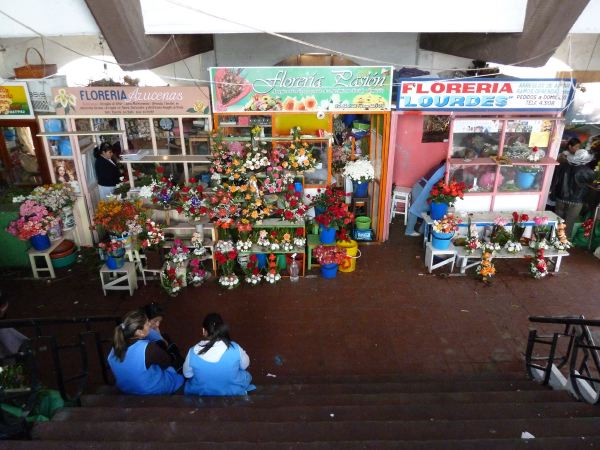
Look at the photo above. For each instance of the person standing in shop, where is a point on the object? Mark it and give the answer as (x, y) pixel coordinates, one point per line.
(107, 172)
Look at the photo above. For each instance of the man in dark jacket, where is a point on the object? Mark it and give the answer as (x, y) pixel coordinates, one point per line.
(572, 179)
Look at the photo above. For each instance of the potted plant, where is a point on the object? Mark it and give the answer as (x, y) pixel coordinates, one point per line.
(443, 230)
(115, 253)
(33, 224)
(360, 171)
(329, 258)
(443, 195)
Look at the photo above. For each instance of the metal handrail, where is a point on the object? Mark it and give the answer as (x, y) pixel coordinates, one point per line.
(37, 324)
(577, 330)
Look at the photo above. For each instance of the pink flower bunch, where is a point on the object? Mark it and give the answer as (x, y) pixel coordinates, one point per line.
(540, 220)
(34, 220)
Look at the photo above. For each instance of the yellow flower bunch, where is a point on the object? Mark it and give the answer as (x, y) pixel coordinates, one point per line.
(486, 269)
(298, 157)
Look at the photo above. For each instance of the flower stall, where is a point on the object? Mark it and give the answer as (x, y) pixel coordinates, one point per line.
(308, 124)
(500, 137)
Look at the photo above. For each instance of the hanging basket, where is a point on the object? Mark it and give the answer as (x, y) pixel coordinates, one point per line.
(35, 70)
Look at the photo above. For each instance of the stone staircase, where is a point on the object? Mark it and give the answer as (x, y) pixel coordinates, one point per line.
(468, 412)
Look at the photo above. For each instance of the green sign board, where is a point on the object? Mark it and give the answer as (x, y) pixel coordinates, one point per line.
(301, 89)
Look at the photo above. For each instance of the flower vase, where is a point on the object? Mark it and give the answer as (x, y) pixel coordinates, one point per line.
(40, 242)
(329, 270)
(360, 189)
(327, 235)
(441, 241)
(438, 210)
(68, 218)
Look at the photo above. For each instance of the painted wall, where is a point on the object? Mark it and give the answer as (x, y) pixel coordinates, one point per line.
(413, 159)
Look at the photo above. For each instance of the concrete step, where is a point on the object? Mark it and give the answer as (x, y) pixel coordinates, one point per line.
(128, 401)
(380, 388)
(329, 431)
(559, 443)
(339, 413)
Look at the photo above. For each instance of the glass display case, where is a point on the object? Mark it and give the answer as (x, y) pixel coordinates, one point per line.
(504, 162)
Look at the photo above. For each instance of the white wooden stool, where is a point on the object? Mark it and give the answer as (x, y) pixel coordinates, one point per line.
(400, 197)
(45, 254)
(449, 257)
(121, 279)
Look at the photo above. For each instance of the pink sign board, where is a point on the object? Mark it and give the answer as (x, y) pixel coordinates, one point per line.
(131, 100)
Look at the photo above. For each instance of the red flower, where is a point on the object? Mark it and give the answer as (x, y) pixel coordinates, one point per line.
(160, 169)
(232, 254)
(192, 180)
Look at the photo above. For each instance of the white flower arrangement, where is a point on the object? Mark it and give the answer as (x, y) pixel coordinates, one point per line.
(361, 170)
(253, 280)
(145, 192)
(287, 246)
(299, 242)
(243, 246)
(273, 246)
(229, 281)
(272, 278)
(19, 198)
(224, 246)
(263, 238)
(513, 247)
(558, 245)
(257, 161)
(537, 245)
(491, 247)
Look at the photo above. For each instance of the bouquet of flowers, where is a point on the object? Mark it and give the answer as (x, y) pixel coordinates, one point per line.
(276, 180)
(179, 253)
(447, 224)
(297, 157)
(273, 241)
(361, 170)
(329, 255)
(486, 268)
(198, 244)
(244, 242)
(253, 276)
(541, 228)
(114, 248)
(272, 276)
(164, 190)
(292, 209)
(538, 267)
(222, 210)
(171, 280)
(587, 227)
(257, 158)
(473, 243)
(491, 247)
(286, 242)
(34, 220)
(190, 200)
(513, 247)
(114, 215)
(225, 255)
(263, 238)
(152, 234)
(54, 197)
(518, 226)
(299, 239)
(446, 193)
(340, 155)
(196, 275)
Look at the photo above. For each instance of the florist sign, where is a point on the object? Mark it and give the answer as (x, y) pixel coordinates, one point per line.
(15, 102)
(301, 89)
(130, 100)
(484, 95)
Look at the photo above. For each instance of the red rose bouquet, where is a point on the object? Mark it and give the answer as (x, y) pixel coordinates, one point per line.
(446, 193)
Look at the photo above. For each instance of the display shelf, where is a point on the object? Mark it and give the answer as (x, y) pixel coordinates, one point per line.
(81, 133)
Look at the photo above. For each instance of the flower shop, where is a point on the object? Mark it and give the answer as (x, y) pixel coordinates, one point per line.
(490, 147)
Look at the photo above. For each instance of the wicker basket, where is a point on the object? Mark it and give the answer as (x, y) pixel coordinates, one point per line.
(35, 70)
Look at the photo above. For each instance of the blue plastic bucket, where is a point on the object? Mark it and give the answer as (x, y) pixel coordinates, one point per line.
(64, 147)
(438, 210)
(326, 235)
(360, 189)
(298, 186)
(261, 260)
(117, 261)
(441, 241)
(525, 179)
(329, 270)
(40, 242)
(319, 210)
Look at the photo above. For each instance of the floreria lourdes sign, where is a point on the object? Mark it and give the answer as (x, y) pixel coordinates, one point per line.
(130, 100)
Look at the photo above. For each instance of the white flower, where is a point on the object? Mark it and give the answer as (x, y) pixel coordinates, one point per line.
(513, 247)
(145, 192)
(359, 170)
(299, 242)
(19, 199)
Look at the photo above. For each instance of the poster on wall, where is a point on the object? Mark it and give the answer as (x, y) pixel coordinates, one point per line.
(132, 100)
(15, 102)
(301, 89)
(484, 94)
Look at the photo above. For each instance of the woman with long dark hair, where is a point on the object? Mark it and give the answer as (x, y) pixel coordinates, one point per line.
(217, 365)
(141, 367)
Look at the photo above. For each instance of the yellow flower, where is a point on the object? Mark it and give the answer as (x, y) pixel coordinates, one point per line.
(286, 237)
(258, 202)
(65, 99)
(254, 214)
(199, 106)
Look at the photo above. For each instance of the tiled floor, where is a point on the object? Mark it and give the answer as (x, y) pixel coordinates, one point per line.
(389, 316)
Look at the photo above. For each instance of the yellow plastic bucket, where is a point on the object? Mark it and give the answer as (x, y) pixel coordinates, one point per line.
(351, 247)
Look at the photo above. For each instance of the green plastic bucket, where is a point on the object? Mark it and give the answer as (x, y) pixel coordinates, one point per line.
(363, 223)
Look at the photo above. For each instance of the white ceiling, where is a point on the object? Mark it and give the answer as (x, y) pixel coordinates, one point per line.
(589, 20)
(48, 17)
(322, 16)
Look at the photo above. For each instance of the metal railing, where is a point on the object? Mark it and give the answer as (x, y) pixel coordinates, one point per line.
(579, 351)
(36, 330)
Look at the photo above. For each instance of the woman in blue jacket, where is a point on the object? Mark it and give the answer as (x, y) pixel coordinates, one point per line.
(141, 367)
(217, 365)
